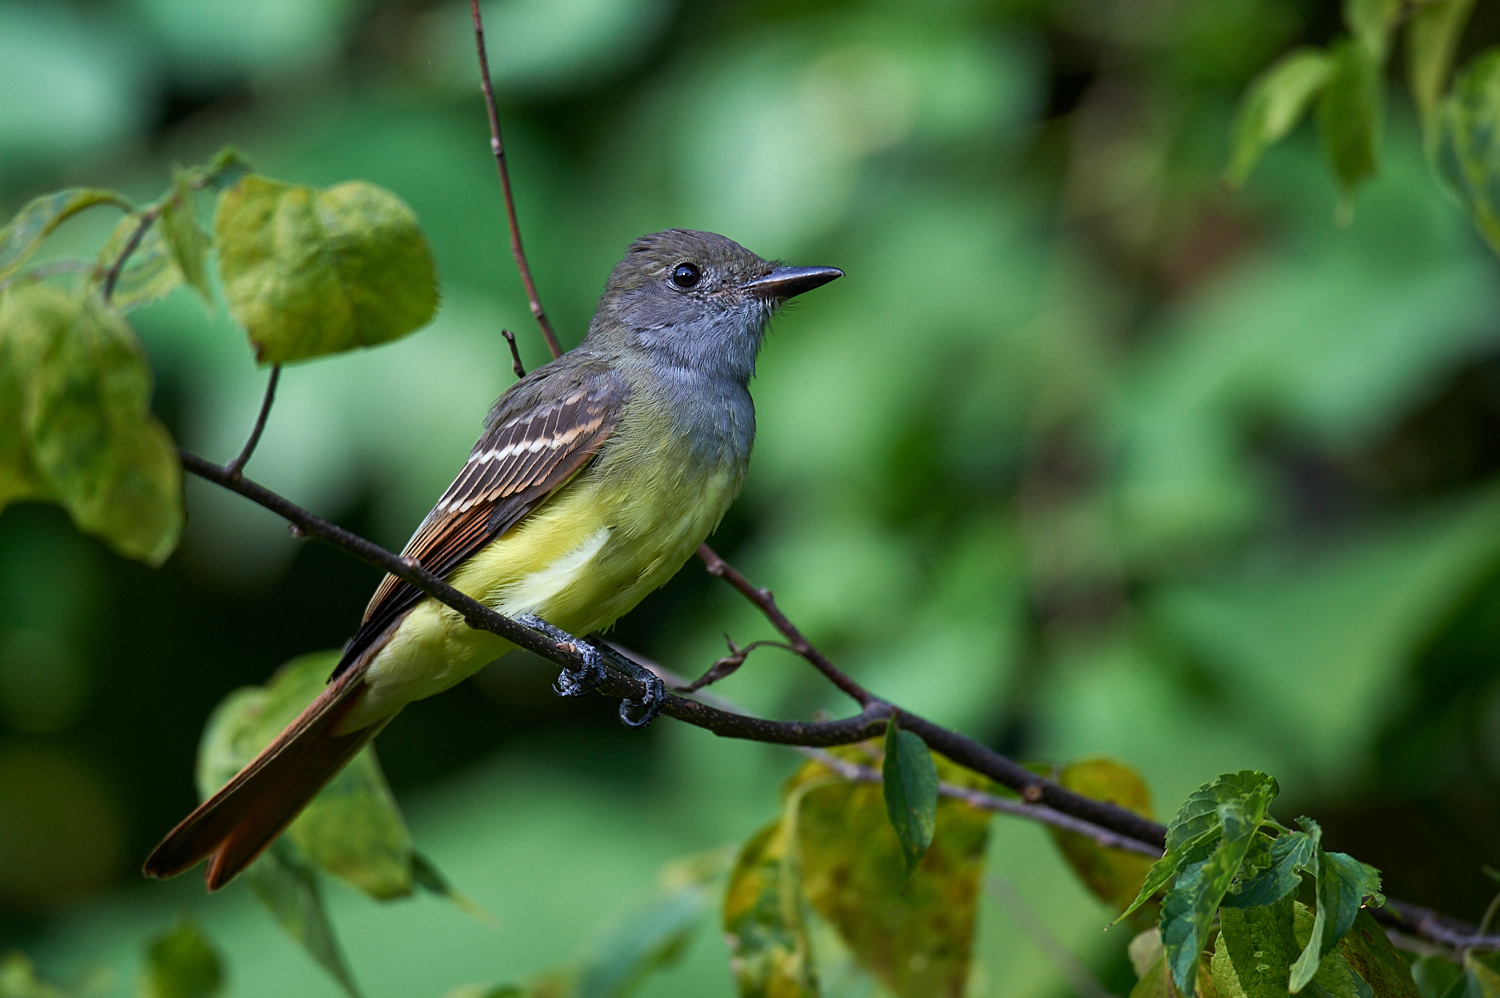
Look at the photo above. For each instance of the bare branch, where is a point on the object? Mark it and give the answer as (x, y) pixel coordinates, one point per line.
(498, 147)
(729, 664)
(238, 464)
(515, 353)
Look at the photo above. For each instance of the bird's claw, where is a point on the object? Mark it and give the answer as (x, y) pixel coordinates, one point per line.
(595, 653)
(570, 682)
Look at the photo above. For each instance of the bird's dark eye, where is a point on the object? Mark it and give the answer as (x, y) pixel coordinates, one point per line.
(686, 275)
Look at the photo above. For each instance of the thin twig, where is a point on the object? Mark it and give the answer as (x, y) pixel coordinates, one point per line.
(498, 147)
(238, 464)
(131, 245)
(515, 353)
(1079, 977)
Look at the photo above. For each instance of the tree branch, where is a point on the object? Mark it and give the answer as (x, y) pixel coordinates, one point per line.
(236, 466)
(112, 276)
(498, 147)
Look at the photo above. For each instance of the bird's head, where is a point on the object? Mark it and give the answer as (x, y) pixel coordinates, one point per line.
(696, 300)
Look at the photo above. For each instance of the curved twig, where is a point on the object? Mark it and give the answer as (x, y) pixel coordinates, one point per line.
(238, 464)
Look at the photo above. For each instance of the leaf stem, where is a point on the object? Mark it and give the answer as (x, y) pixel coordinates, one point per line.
(131, 245)
(233, 468)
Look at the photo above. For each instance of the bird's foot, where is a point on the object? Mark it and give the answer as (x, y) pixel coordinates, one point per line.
(655, 698)
(570, 682)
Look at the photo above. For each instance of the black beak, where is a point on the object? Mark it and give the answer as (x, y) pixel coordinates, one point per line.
(788, 282)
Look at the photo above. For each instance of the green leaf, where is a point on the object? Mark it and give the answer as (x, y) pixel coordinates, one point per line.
(353, 828)
(1431, 39)
(1272, 106)
(1255, 949)
(1482, 974)
(1156, 977)
(1342, 885)
(1467, 142)
(110, 463)
(284, 882)
(1350, 115)
(426, 875)
(149, 273)
(31, 316)
(1371, 955)
(188, 243)
(914, 932)
(1371, 21)
(309, 272)
(1287, 856)
(910, 782)
(1241, 802)
(40, 216)
(769, 952)
(181, 963)
(1432, 975)
(1112, 875)
(223, 171)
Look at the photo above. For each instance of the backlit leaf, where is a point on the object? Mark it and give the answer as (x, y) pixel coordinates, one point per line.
(1272, 106)
(1431, 39)
(763, 925)
(41, 215)
(309, 272)
(913, 932)
(150, 272)
(181, 963)
(108, 460)
(352, 829)
(188, 243)
(1350, 114)
(1114, 876)
(31, 316)
(910, 782)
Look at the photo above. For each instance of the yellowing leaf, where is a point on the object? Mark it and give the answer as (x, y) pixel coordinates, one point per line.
(1114, 876)
(181, 963)
(1431, 39)
(763, 926)
(352, 828)
(31, 316)
(1272, 106)
(914, 933)
(186, 240)
(149, 273)
(110, 463)
(309, 272)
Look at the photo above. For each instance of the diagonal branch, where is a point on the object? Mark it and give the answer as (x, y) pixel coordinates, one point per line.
(498, 147)
(238, 464)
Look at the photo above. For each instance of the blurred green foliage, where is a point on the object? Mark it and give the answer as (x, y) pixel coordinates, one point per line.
(1085, 455)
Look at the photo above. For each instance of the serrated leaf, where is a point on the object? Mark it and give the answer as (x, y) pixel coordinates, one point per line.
(353, 828)
(1350, 114)
(105, 457)
(1371, 955)
(309, 272)
(1467, 142)
(1241, 803)
(1112, 875)
(181, 963)
(1342, 885)
(185, 238)
(1371, 22)
(763, 926)
(910, 782)
(40, 216)
(1431, 40)
(1255, 949)
(914, 932)
(284, 882)
(1272, 106)
(1288, 855)
(31, 316)
(148, 274)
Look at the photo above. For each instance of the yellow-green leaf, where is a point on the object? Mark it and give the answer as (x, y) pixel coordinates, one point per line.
(41, 215)
(149, 273)
(1431, 39)
(1272, 106)
(30, 317)
(763, 925)
(110, 463)
(1350, 114)
(309, 272)
(352, 829)
(1114, 876)
(181, 963)
(185, 238)
(914, 933)
(1371, 21)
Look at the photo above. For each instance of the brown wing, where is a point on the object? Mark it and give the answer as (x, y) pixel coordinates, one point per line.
(541, 433)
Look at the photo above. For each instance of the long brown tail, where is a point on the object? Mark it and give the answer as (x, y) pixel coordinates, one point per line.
(236, 824)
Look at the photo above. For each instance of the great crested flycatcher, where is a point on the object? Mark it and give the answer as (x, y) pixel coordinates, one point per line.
(595, 479)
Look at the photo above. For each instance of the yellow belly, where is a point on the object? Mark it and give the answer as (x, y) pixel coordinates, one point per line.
(581, 561)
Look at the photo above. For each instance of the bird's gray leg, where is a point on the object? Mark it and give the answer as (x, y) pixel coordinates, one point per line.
(597, 654)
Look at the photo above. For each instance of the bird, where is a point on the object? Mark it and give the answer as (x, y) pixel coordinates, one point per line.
(594, 480)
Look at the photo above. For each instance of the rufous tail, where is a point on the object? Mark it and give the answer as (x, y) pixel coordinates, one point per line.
(236, 824)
